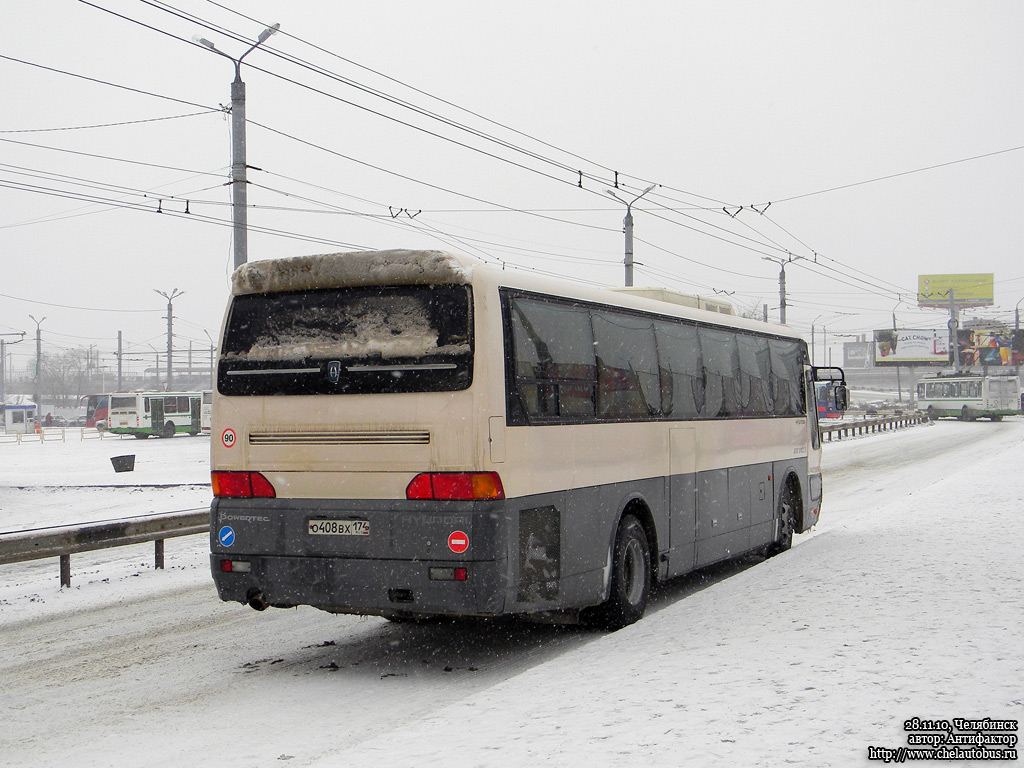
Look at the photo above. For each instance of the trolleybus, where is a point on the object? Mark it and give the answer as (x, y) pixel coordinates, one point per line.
(969, 397)
(163, 414)
(408, 433)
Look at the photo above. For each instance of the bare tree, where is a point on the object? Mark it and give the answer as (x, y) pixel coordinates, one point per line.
(64, 376)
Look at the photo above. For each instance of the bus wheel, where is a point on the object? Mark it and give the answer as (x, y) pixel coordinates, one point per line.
(631, 579)
(931, 413)
(787, 521)
(965, 414)
(997, 417)
(168, 429)
(141, 435)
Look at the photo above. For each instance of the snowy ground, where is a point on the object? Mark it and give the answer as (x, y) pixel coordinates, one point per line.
(905, 601)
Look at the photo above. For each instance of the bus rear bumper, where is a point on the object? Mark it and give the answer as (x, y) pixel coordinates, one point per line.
(362, 586)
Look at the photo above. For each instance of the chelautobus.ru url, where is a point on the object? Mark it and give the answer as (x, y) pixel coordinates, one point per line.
(902, 754)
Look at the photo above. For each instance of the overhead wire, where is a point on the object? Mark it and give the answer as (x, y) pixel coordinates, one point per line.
(775, 246)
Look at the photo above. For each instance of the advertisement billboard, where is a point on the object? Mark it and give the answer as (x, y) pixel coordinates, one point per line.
(912, 347)
(976, 347)
(858, 354)
(973, 290)
(989, 348)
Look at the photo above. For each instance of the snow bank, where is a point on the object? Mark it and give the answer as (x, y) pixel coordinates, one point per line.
(355, 269)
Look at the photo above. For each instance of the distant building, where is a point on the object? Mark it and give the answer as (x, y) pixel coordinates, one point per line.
(19, 413)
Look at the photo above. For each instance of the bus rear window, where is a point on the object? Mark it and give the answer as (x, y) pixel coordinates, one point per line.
(348, 341)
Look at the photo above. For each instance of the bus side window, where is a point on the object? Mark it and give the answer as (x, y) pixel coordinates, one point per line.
(555, 370)
(721, 373)
(786, 377)
(627, 366)
(682, 373)
(755, 396)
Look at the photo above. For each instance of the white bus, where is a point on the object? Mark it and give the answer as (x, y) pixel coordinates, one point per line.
(404, 433)
(163, 414)
(969, 397)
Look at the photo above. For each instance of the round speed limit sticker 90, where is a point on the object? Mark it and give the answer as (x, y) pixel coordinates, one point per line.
(227, 438)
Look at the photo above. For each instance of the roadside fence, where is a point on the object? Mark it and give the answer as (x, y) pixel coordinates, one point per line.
(64, 541)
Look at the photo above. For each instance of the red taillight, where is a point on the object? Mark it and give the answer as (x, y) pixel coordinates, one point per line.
(455, 486)
(244, 485)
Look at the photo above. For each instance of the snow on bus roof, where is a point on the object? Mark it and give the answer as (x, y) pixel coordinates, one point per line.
(354, 269)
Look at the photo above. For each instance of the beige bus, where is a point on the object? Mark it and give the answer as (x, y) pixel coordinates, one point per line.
(414, 433)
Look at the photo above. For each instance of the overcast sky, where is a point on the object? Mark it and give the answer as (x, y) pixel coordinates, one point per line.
(887, 136)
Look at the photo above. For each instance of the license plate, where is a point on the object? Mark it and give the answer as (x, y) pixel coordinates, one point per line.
(340, 527)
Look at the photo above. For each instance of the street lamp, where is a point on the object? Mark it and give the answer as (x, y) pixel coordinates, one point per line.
(782, 281)
(39, 355)
(175, 293)
(627, 227)
(238, 163)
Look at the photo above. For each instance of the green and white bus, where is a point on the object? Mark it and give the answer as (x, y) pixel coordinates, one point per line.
(411, 433)
(969, 397)
(163, 414)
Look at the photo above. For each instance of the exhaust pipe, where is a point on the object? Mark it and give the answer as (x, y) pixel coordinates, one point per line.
(256, 601)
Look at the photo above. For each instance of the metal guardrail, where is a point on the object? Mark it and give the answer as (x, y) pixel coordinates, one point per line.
(883, 424)
(62, 542)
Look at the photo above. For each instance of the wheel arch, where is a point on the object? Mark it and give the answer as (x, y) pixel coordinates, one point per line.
(791, 479)
(637, 506)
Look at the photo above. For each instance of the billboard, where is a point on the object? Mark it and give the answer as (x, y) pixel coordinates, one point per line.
(974, 290)
(990, 347)
(858, 354)
(976, 348)
(912, 347)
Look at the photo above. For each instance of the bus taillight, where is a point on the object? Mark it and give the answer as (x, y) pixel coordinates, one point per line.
(242, 485)
(455, 486)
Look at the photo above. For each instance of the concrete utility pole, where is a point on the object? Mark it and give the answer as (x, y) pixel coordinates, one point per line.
(954, 324)
(627, 227)
(782, 282)
(39, 356)
(239, 195)
(175, 293)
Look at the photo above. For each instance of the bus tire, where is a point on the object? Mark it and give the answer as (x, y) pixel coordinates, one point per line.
(787, 521)
(631, 579)
(965, 414)
(140, 435)
(931, 413)
(168, 429)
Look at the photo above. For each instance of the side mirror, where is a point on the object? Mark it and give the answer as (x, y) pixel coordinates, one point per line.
(842, 397)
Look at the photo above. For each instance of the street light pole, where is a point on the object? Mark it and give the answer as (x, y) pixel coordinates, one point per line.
(39, 356)
(782, 282)
(239, 195)
(627, 227)
(175, 293)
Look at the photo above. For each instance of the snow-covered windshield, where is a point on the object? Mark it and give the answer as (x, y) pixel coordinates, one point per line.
(409, 338)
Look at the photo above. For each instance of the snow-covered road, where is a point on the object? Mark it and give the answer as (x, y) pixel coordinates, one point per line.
(904, 602)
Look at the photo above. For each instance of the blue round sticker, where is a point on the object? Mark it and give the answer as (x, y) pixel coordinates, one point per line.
(226, 536)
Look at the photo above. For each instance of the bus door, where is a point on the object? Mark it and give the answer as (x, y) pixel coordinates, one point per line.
(156, 414)
(195, 405)
(682, 494)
